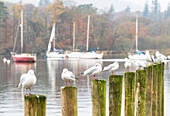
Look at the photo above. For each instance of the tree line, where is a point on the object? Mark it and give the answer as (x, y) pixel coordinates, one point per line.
(109, 30)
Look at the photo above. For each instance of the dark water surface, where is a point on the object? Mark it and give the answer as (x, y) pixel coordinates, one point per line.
(48, 73)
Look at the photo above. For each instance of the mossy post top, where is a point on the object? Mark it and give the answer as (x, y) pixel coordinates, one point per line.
(129, 73)
(35, 96)
(99, 80)
(68, 87)
(112, 76)
(140, 70)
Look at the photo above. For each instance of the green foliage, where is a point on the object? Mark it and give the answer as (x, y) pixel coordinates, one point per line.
(146, 10)
(3, 14)
(44, 2)
(127, 9)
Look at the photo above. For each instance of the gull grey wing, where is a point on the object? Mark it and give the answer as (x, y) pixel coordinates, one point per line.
(93, 70)
(23, 78)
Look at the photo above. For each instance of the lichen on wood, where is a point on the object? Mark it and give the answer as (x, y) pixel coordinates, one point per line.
(130, 92)
(115, 94)
(35, 105)
(69, 101)
(98, 97)
(149, 86)
(141, 80)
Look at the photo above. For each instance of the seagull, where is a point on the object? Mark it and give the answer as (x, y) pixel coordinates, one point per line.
(157, 54)
(4, 60)
(8, 61)
(140, 64)
(27, 80)
(127, 65)
(67, 76)
(97, 68)
(112, 67)
(148, 56)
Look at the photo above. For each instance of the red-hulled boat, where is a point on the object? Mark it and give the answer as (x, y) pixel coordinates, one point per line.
(24, 57)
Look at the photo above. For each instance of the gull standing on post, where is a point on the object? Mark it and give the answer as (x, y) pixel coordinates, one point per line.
(140, 64)
(27, 80)
(112, 67)
(97, 68)
(127, 64)
(67, 76)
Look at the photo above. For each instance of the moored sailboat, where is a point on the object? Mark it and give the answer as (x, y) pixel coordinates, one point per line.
(140, 55)
(55, 53)
(87, 54)
(23, 57)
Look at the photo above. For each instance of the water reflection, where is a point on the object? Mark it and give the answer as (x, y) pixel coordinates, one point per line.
(48, 73)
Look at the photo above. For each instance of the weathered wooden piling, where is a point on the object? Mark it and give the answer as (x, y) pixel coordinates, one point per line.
(115, 94)
(149, 86)
(98, 97)
(130, 92)
(35, 105)
(162, 71)
(141, 80)
(69, 101)
(154, 91)
(159, 93)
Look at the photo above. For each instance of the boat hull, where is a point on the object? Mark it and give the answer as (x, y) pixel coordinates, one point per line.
(75, 55)
(85, 55)
(24, 58)
(137, 57)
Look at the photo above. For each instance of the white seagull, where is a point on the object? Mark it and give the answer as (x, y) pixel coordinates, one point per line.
(157, 54)
(67, 76)
(127, 65)
(4, 59)
(27, 80)
(140, 64)
(8, 61)
(97, 68)
(112, 67)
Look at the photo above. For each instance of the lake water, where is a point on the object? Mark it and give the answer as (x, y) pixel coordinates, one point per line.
(48, 73)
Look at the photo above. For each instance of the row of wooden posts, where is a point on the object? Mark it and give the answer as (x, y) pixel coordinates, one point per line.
(144, 95)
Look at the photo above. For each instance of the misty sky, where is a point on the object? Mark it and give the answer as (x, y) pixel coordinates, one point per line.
(105, 4)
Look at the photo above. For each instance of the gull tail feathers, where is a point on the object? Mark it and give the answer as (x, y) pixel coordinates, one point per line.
(19, 85)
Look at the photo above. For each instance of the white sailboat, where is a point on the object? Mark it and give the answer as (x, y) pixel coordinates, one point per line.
(55, 53)
(23, 57)
(140, 55)
(84, 55)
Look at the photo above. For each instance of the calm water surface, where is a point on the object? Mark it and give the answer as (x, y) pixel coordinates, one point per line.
(48, 73)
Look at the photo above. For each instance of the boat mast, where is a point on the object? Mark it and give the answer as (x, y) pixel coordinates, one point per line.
(88, 33)
(136, 32)
(74, 30)
(54, 36)
(22, 31)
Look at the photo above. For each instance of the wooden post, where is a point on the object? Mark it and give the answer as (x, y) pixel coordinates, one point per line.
(98, 97)
(149, 85)
(130, 92)
(115, 94)
(35, 105)
(141, 80)
(159, 93)
(162, 71)
(154, 91)
(69, 101)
